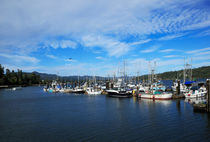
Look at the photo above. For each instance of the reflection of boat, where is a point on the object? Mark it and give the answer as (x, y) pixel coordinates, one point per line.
(162, 102)
(157, 95)
(16, 88)
(13, 89)
(195, 100)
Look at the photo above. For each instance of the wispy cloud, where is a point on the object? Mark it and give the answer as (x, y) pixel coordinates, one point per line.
(27, 29)
(167, 50)
(61, 44)
(204, 33)
(100, 58)
(140, 42)
(52, 56)
(77, 19)
(170, 37)
(149, 50)
(111, 46)
(199, 51)
(20, 58)
(170, 56)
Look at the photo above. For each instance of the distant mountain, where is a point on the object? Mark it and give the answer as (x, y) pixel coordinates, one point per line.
(198, 73)
(45, 76)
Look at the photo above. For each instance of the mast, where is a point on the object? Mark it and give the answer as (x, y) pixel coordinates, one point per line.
(184, 77)
(191, 71)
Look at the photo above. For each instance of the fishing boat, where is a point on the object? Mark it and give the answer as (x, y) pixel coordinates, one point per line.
(156, 95)
(119, 93)
(196, 93)
(78, 90)
(92, 91)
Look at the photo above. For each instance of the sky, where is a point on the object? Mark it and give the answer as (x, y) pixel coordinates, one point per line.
(37, 35)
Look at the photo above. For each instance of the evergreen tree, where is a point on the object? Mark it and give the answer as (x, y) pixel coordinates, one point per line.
(1, 75)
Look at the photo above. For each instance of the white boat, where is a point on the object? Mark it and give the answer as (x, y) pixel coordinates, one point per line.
(156, 95)
(195, 93)
(91, 91)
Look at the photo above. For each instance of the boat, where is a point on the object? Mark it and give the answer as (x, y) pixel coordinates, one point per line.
(119, 93)
(156, 95)
(92, 91)
(78, 90)
(196, 93)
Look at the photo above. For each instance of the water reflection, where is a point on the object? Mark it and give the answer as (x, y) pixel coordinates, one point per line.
(195, 100)
(161, 102)
(178, 106)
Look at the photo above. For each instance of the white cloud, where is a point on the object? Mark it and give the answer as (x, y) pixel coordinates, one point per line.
(52, 56)
(204, 33)
(111, 46)
(198, 50)
(169, 37)
(60, 44)
(149, 50)
(20, 58)
(24, 25)
(140, 42)
(100, 58)
(37, 20)
(170, 56)
(167, 50)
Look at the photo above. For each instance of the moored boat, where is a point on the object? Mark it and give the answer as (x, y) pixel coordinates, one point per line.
(157, 95)
(91, 91)
(119, 93)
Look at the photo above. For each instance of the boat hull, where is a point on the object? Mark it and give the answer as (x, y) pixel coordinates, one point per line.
(118, 94)
(94, 93)
(156, 96)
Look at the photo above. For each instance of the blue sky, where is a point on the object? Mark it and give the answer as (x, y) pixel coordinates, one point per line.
(41, 35)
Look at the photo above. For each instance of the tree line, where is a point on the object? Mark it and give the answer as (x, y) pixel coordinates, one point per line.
(8, 77)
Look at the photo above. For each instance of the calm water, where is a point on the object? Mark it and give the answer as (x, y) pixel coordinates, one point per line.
(31, 115)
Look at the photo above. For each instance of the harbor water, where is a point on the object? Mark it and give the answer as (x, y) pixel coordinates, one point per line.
(31, 115)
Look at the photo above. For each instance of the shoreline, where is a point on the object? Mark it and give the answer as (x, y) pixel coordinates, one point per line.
(11, 86)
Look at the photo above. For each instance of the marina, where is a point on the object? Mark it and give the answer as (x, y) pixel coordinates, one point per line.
(104, 71)
(30, 114)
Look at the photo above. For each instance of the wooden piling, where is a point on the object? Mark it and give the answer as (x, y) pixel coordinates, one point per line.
(137, 92)
(208, 95)
(178, 88)
(112, 85)
(107, 85)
